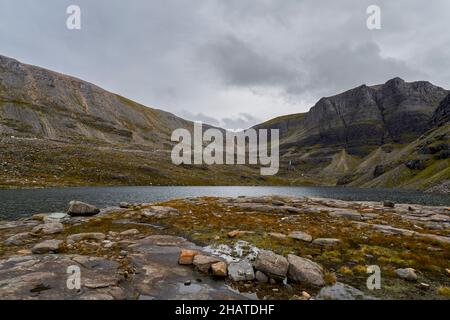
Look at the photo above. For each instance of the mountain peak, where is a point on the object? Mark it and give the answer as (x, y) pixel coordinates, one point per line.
(395, 82)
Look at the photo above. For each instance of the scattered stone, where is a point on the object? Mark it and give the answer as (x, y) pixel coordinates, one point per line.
(277, 235)
(108, 244)
(326, 242)
(241, 271)
(86, 236)
(48, 228)
(131, 232)
(123, 253)
(278, 203)
(18, 239)
(299, 235)
(424, 286)
(407, 274)
(305, 271)
(261, 277)
(187, 256)
(271, 264)
(203, 263)
(388, 204)
(187, 283)
(306, 295)
(233, 234)
(341, 291)
(47, 246)
(219, 269)
(81, 209)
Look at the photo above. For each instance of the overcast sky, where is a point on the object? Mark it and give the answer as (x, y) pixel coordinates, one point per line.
(231, 62)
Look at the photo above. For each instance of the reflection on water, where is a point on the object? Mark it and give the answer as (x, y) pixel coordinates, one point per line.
(24, 202)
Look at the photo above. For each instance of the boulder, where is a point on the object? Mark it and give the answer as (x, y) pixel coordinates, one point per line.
(261, 277)
(407, 274)
(203, 263)
(341, 291)
(47, 246)
(48, 228)
(219, 269)
(299, 235)
(187, 256)
(326, 242)
(379, 170)
(241, 271)
(305, 271)
(18, 239)
(415, 164)
(271, 264)
(80, 209)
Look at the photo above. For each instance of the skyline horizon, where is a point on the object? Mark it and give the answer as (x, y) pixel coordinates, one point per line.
(206, 123)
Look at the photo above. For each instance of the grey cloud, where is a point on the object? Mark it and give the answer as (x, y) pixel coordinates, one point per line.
(200, 117)
(240, 122)
(241, 65)
(219, 58)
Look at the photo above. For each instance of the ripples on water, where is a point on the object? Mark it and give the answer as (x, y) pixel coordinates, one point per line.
(24, 202)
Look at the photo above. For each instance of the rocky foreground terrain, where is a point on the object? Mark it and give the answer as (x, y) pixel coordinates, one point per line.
(229, 248)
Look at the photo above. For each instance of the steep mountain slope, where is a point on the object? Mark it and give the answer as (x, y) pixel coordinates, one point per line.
(390, 135)
(36, 102)
(395, 112)
(58, 130)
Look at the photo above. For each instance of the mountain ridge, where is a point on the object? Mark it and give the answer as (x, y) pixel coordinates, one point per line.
(60, 130)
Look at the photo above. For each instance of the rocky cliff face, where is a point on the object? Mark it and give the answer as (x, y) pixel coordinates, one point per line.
(396, 111)
(442, 114)
(390, 135)
(36, 102)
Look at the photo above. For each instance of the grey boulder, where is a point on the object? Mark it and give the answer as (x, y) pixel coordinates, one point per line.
(80, 209)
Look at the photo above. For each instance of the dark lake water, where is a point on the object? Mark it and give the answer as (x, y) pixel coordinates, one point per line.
(24, 202)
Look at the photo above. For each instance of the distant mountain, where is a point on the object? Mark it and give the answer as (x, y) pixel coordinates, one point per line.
(370, 136)
(56, 130)
(396, 112)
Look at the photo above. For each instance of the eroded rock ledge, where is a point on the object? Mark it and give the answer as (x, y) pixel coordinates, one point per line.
(229, 248)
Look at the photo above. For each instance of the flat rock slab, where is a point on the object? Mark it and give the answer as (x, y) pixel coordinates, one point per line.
(326, 242)
(48, 228)
(299, 235)
(44, 277)
(341, 291)
(160, 277)
(47, 246)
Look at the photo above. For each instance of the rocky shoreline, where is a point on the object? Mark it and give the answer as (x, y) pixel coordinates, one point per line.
(273, 247)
